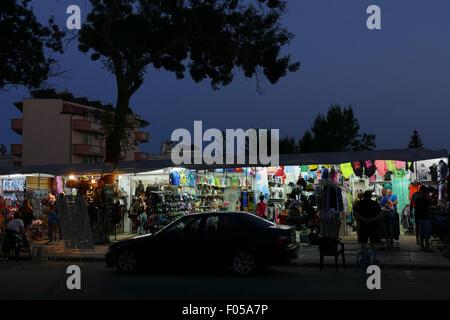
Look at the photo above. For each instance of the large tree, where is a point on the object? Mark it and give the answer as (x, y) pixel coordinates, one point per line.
(23, 60)
(209, 39)
(416, 141)
(338, 130)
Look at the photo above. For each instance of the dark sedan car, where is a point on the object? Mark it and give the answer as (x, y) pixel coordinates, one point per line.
(238, 240)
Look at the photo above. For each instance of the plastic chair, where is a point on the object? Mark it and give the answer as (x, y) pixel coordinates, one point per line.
(331, 247)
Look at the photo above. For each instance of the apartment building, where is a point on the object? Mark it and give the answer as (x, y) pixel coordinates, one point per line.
(57, 128)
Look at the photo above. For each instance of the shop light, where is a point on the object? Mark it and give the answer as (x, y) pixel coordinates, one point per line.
(120, 176)
(16, 175)
(71, 177)
(93, 180)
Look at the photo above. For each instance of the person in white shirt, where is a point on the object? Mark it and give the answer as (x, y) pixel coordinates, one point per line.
(16, 224)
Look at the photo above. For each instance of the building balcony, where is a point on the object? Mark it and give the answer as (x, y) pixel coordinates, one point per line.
(140, 136)
(16, 150)
(141, 156)
(87, 126)
(88, 150)
(17, 125)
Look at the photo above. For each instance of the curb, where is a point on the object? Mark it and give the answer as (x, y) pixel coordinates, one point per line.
(55, 259)
(77, 259)
(382, 266)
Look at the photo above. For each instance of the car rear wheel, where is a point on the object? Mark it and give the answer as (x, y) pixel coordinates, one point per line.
(126, 261)
(244, 262)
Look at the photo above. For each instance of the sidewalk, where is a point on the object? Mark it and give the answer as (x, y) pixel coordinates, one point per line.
(406, 255)
(56, 251)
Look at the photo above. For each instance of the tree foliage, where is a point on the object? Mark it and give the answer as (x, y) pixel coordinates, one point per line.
(208, 39)
(337, 131)
(23, 42)
(288, 145)
(416, 141)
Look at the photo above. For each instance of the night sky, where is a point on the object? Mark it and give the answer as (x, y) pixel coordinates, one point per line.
(396, 79)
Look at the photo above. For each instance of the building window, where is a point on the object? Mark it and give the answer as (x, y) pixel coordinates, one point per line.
(88, 139)
(89, 116)
(87, 160)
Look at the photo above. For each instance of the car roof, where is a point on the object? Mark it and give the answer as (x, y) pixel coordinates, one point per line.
(219, 213)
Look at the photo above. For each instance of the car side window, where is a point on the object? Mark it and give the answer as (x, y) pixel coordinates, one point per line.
(184, 227)
(234, 225)
(211, 225)
(223, 224)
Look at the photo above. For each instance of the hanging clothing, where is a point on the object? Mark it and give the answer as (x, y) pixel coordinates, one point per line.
(381, 167)
(369, 168)
(174, 178)
(422, 172)
(400, 164)
(391, 165)
(410, 166)
(434, 172)
(325, 173)
(261, 209)
(344, 201)
(406, 219)
(399, 174)
(413, 189)
(400, 187)
(333, 175)
(443, 169)
(304, 168)
(142, 223)
(389, 225)
(358, 168)
(347, 170)
(387, 176)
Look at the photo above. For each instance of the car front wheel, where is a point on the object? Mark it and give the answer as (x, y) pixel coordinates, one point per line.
(244, 262)
(126, 261)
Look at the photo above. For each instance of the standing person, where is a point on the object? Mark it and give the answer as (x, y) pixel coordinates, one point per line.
(52, 222)
(26, 211)
(422, 216)
(261, 207)
(359, 197)
(367, 212)
(390, 200)
(414, 197)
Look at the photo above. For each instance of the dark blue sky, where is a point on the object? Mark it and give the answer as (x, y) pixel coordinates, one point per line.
(396, 79)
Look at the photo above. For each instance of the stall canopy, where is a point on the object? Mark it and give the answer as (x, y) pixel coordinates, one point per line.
(160, 162)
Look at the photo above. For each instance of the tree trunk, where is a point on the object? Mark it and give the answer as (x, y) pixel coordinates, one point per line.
(118, 133)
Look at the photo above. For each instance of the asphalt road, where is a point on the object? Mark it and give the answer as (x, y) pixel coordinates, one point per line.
(25, 280)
